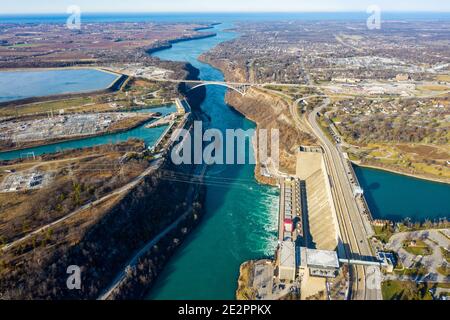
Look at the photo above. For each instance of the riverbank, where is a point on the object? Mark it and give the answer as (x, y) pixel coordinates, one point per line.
(245, 290)
(267, 112)
(234, 74)
(402, 173)
(398, 197)
(100, 240)
(169, 43)
(139, 274)
(237, 207)
(156, 201)
(118, 128)
(115, 86)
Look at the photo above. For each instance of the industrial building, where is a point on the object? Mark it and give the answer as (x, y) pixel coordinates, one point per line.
(308, 228)
(319, 206)
(22, 181)
(321, 263)
(62, 126)
(287, 266)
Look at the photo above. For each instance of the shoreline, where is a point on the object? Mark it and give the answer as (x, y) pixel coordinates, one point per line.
(261, 180)
(168, 44)
(203, 58)
(115, 86)
(62, 140)
(197, 220)
(397, 172)
(122, 78)
(256, 166)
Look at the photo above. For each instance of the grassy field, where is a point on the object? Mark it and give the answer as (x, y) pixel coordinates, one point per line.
(383, 233)
(325, 128)
(405, 290)
(44, 107)
(443, 285)
(419, 249)
(418, 270)
(78, 177)
(422, 159)
(391, 289)
(445, 271)
(433, 88)
(443, 77)
(24, 45)
(445, 254)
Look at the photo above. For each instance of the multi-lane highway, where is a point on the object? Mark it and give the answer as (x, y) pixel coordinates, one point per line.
(353, 229)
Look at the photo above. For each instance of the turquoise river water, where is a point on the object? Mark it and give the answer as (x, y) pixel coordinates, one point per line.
(149, 135)
(241, 215)
(241, 218)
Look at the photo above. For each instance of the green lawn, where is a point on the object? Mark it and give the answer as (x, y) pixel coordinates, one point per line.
(443, 285)
(391, 289)
(413, 272)
(43, 107)
(419, 249)
(383, 233)
(23, 45)
(405, 290)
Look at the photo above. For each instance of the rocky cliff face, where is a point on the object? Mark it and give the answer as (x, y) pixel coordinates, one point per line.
(268, 112)
(102, 243)
(231, 70)
(103, 239)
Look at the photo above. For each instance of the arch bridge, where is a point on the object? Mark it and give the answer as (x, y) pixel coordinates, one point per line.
(240, 88)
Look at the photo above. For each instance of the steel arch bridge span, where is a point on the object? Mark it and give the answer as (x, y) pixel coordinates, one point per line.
(241, 89)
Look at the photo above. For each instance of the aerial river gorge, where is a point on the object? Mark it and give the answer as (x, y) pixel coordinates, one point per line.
(240, 221)
(241, 218)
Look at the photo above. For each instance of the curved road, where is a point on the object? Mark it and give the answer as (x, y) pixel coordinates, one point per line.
(349, 213)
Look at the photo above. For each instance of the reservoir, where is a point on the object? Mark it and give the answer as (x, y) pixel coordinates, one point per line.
(149, 135)
(15, 85)
(396, 197)
(240, 221)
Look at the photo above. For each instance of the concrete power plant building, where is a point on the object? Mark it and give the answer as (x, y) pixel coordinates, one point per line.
(287, 265)
(322, 218)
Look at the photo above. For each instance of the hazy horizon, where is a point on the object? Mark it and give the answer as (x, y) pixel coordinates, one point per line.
(230, 6)
(221, 12)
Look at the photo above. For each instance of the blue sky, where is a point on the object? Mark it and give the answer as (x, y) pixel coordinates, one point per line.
(60, 6)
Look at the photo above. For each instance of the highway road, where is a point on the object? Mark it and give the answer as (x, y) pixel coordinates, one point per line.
(353, 229)
(232, 85)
